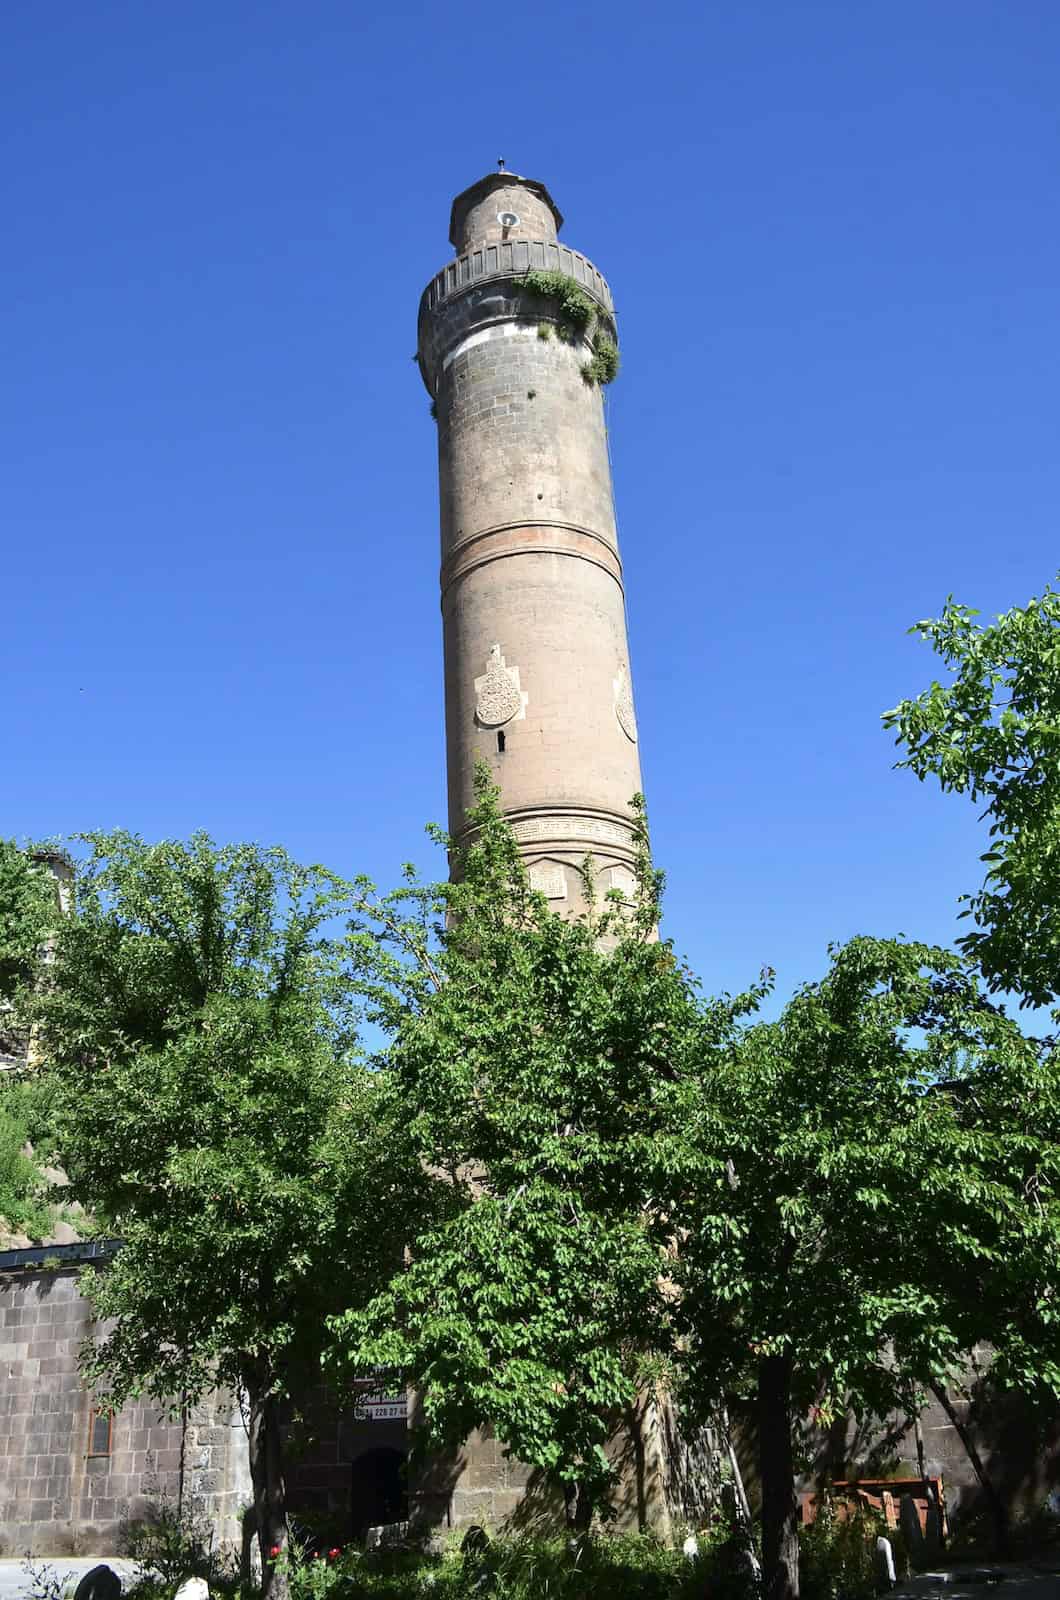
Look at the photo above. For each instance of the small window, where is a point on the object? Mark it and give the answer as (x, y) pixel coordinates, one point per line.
(500, 744)
(99, 1431)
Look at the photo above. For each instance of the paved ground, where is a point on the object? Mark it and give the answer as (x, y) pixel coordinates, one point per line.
(1037, 1581)
(17, 1584)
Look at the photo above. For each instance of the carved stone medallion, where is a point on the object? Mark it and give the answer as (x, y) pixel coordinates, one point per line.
(498, 697)
(627, 719)
(549, 879)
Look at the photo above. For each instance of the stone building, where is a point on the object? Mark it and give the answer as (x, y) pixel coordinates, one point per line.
(537, 672)
(538, 685)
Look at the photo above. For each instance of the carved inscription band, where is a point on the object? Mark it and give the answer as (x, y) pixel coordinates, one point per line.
(557, 829)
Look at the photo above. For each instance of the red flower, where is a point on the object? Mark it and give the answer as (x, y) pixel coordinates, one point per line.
(274, 1552)
(333, 1555)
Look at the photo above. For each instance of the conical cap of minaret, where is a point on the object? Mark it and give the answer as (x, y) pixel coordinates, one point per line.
(482, 214)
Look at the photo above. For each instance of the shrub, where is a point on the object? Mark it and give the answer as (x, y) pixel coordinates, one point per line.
(630, 1567)
(43, 1581)
(837, 1559)
(169, 1543)
(1038, 1528)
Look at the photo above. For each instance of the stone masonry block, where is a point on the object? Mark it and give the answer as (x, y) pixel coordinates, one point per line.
(472, 1505)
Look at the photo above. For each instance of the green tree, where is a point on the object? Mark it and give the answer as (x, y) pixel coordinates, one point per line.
(993, 732)
(533, 1051)
(860, 1202)
(197, 1025)
(27, 913)
(24, 1204)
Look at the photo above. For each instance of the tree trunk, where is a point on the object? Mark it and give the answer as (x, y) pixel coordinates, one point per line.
(776, 1469)
(918, 1435)
(578, 1506)
(635, 1423)
(995, 1504)
(270, 1492)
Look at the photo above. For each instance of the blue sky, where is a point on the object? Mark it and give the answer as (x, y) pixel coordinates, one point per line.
(833, 237)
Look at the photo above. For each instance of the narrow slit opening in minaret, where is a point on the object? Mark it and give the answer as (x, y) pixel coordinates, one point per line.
(500, 744)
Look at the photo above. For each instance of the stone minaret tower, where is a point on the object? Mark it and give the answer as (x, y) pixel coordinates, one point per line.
(537, 677)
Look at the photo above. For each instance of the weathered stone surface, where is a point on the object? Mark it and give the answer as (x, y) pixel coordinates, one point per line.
(55, 1497)
(193, 1589)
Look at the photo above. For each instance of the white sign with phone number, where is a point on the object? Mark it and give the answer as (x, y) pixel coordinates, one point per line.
(382, 1408)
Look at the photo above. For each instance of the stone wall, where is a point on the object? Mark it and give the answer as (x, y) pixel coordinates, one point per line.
(54, 1494)
(480, 1483)
(61, 1490)
(57, 1496)
(1019, 1445)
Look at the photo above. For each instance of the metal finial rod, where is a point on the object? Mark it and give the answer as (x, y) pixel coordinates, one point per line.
(500, 163)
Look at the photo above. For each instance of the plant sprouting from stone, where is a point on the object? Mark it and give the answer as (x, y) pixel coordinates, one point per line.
(576, 308)
(602, 367)
(579, 317)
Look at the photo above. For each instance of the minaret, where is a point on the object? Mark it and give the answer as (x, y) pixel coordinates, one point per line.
(537, 677)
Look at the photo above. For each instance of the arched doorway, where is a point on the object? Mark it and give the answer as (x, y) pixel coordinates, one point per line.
(379, 1489)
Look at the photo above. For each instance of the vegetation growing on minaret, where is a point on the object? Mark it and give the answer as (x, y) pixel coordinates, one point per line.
(579, 317)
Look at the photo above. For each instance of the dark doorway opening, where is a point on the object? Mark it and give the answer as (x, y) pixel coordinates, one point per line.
(379, 1490)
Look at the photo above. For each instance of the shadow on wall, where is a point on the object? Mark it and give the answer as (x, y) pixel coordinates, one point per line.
(481, 1483)
(1018, 1440)
(432, 1480)
(540, 1510)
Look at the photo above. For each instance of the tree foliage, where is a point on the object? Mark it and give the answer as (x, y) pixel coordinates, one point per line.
(853, 1163)
(566, 1175)
(864, 1196)
(27, 913)
(833, 1209)
(24, 1190)
(534, 1051)
(197, 1024)
(993, 732)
